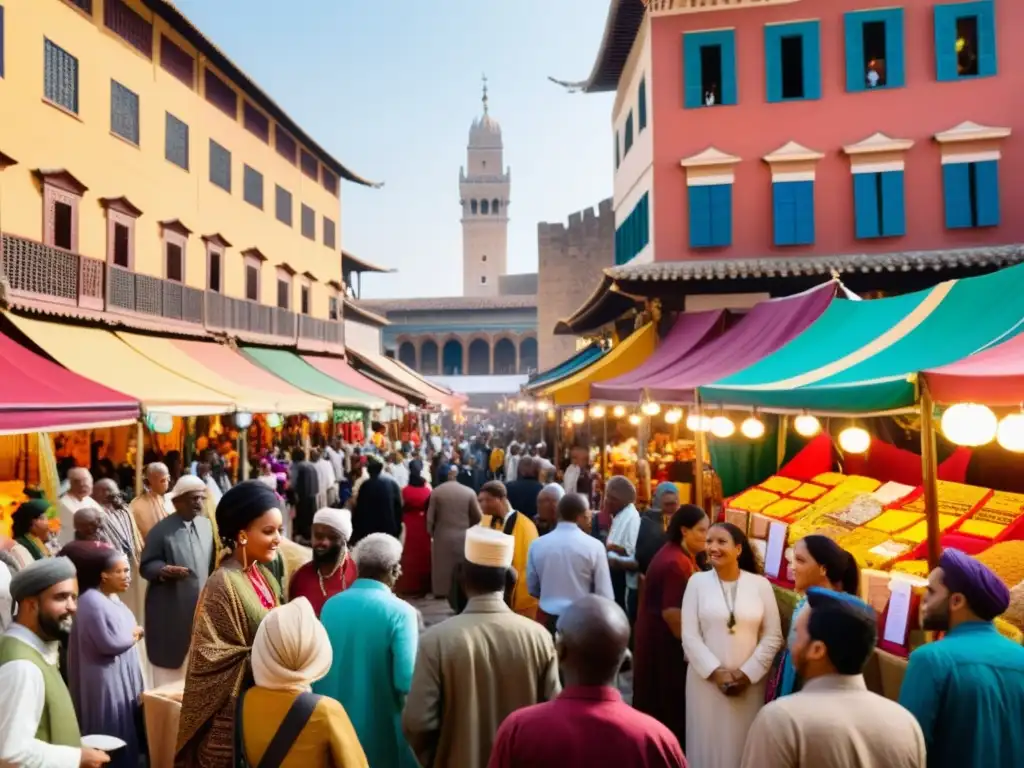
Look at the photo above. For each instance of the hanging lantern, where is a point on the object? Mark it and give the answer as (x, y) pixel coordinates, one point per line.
(969, 424)
(543, 405)
(273, 420)
(1011, 432)
(243, 419)
(673, 415)
(722, 427)
(618, 411)
(159, 423)
(597, 411)
(752, 428)
(634, 419)
(854, 440)
(650, 408)
(698, 422)
(578, 416)
(807, 425)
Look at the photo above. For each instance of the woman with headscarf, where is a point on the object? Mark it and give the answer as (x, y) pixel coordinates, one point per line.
(290, 653)
(30, 529)
(237, 597)
(817, 562)
(104, 673)
(659, 673)
(654, 524)
(415, 580)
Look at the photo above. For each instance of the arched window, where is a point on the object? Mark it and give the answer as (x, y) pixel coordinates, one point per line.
(428, 358)
(504, 357)
(479, 358)
(528, 355)
(472, 206)
(451, 363)
(494, 207)
(407, 354)
(483, 207)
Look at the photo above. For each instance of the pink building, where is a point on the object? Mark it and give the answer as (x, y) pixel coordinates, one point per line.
(808, 137)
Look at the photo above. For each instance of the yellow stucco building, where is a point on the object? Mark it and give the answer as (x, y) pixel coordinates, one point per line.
(148, 181)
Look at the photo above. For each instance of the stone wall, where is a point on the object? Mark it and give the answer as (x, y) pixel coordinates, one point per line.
(570, 261)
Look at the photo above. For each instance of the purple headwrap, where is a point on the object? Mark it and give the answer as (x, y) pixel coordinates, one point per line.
(985, 592)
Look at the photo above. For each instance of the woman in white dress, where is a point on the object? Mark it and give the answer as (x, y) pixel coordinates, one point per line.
(731, 633)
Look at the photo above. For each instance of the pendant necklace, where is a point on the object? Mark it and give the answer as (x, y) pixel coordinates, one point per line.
(342, 565)
(731, 624)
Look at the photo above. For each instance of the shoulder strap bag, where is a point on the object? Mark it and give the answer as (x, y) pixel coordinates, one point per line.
(287, 733)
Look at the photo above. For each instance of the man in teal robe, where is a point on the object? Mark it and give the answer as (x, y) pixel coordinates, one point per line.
(374, 637)
(967, 690)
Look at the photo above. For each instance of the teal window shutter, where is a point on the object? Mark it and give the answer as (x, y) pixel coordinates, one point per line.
(987, 62)
(986, 190)
(894, 217)
(854, 29)
(729, 88)
(645, 221)
(721, 214)
(628, 140)
(945, 43)
(956, 188)
(784, 212)
(700, 217)
(773, 64)
(693, 93)
(641, 107)
(811, 32)
(895, 76)
(865, 206)
(804, 209)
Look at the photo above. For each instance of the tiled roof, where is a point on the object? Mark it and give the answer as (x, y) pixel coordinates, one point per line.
(439, 304)
(739, 269)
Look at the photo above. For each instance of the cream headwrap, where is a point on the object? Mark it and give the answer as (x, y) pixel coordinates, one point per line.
(338, 519)
(488, 547)
(291, 650)
(187, 484)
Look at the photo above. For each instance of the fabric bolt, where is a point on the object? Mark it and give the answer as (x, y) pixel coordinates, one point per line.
(583, 728)
(415, 578)
(708, 645)
(104, 673)
(451, 511)
(564, 566)
(373, 637)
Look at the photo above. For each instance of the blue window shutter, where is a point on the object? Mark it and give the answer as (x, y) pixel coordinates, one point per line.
(693, 95)
(729, 87)
(700, 217)
(784, 213)
(865, 205)
(811, 31)
(855, 79)
(772, 64)
(645, 222)
(894, 66)
(945, 43)
(987, 61)
(642, 105)
(804, 208)
(894, 216)
(721, 214)
(956, 188)
(986, 185)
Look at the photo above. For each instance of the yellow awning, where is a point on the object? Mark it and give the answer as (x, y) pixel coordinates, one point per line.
(101, 356)
(623, 358)
(218, 367)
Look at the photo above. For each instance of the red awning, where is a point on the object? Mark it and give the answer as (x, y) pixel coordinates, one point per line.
(37, 395)
(339, 369)
(994, 376)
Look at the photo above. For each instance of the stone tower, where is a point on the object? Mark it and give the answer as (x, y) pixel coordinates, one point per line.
(484, 186)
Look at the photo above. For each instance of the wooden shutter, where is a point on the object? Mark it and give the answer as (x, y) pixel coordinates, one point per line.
(865, 205)
(986, 186)
(956, 188)
(894, 217)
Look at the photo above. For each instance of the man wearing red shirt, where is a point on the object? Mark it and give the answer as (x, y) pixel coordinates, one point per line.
(332, 569)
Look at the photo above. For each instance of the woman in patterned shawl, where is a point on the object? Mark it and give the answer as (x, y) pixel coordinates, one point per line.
(236, 598)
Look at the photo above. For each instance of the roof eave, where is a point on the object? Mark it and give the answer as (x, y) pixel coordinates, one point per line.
(623, 21)
(356, 264)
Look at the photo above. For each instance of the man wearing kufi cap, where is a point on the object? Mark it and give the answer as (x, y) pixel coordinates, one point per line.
(967, 690)
(516, 654)
(331, 571)
(38, 725)
(176, 561)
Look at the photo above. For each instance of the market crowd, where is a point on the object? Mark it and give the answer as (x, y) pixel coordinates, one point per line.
(288, 656)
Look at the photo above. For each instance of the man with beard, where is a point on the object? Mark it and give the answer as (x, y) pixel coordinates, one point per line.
(834, 721)
(38, 725)
(967, 690)
(332, 570)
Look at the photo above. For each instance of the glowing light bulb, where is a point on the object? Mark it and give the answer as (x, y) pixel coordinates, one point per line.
(578, 416)
(650, 408)
(807, 425)
(597, 411)
(854, 440)
(673, 415)
(722, 427)
(697, 422)
(618, 411)
(752, 428)
(634, 419)
(1011, 432)
(970, 424)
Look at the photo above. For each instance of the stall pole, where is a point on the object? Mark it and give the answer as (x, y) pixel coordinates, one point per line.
(698, 459)
(140, 435)
(929, 470)
(243, 454)
(558, 437)
(604, 446)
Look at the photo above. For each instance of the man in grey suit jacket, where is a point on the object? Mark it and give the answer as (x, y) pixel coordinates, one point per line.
(452, 510)
(176, 561)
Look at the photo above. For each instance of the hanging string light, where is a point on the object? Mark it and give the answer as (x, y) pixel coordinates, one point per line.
(648, 407)
(969, 424)
(619, 411)
(698, 422)
(673, 415)
(1011, 432)
(752, 427)
(722, 426)
(634, 419)
(543, 405)
(806, 425)
(578, 416)
(854, 440)
(597, 411)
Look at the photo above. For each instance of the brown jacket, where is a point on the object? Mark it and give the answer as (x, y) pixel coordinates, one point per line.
(451, 511)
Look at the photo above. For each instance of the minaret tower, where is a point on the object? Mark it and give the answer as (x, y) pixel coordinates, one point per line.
(484, 186)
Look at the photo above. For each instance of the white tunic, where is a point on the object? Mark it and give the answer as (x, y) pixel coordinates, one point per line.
(716, 724)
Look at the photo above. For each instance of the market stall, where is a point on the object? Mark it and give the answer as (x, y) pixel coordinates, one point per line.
(583, 358)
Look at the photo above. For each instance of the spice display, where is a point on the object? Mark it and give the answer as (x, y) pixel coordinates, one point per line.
(781, 485)
(784, 508)
(808, 491)
(918, 532)
(913, 567)
(1006, 560)
(831, 479)
(753, 500)
(861, 510)
(894, 520)
(981, 528)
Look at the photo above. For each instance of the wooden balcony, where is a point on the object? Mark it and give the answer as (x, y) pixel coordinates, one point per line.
(39, 274)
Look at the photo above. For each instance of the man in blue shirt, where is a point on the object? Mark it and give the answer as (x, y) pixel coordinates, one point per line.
(967, 690)
(567, 564)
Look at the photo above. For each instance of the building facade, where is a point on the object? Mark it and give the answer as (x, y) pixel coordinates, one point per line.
(149, 182)
(775, 131)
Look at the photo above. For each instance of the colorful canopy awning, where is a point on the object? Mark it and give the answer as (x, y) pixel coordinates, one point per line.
(864, 356)
(994, 376)
(301, 374)
(252, 388)
(623, 357)
(101, 356)
(577, 362)
(339, 369)
(37, 395)
(686, 360)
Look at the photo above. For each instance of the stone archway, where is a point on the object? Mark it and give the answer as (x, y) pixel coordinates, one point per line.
(505, 358)
(407, 354)
(429, 365)
(479, 363)
(451, 358)
(528, 355)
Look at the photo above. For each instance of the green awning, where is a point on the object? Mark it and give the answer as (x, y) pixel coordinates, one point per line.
(301, 374)
(864, 356)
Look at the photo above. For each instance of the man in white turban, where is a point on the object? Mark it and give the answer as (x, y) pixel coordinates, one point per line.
(332, 569)
(290, 653)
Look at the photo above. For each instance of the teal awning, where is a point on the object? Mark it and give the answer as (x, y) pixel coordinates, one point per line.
(577, 362)
(301, 374)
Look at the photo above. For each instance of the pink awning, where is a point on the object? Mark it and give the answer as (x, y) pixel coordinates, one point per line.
(339, 369)
(994, 376)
